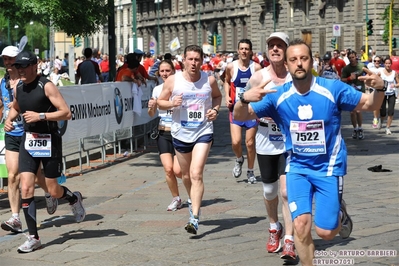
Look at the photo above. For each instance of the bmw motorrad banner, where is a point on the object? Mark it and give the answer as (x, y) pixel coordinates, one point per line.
(99, 108)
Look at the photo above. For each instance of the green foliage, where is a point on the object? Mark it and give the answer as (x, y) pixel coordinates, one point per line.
(74, 17)
(395, 21)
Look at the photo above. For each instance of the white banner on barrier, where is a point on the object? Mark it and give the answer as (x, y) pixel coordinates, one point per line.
(144, 118)
(101, 108)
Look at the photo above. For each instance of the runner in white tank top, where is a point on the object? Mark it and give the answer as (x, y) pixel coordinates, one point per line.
(195, 99)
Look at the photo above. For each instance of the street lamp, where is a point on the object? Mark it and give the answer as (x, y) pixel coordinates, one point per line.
(31, 35)
(158, 2)
(134, 24)
(16, 27)
(199, 23)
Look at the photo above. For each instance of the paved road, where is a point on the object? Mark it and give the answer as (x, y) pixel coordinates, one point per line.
(127, 222)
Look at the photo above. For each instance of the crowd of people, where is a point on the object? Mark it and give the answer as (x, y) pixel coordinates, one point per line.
(288, 100)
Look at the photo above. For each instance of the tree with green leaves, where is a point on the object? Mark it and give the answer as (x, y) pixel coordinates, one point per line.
(74, 17)
(395, 21)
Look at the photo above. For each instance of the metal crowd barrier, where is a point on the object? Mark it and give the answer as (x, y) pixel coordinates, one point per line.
(84, 148)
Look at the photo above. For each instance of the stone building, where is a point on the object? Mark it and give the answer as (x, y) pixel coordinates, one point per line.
(192, 21)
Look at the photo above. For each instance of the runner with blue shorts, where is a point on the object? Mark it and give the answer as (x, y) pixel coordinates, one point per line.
(308, 111)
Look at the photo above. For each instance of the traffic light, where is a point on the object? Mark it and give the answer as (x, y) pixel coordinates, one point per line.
(370, 27)
(394, 43)
(77, 41)
(218, 39)
(211, 40)
(333, 42)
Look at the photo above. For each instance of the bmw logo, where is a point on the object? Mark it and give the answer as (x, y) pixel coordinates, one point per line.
(62, 127)
(118, 105)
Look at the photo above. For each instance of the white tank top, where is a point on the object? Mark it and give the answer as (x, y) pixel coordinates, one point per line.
(164, 115)
(269, 139)
(391, 80)
(189, 121)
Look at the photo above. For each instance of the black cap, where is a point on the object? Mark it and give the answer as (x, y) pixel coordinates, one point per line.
(167, 56)
(132, 61)
(26, 58)
(327, 56)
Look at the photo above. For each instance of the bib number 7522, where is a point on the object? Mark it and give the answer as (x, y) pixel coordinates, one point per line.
(307, 136)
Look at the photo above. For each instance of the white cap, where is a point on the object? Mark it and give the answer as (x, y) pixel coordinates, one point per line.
(10, 51)
(278, 35)
(179, 58)
(207, 59)
(230, 54)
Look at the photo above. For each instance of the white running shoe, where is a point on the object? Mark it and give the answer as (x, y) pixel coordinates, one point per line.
(77, 208)
(347, 224)
(13, 224)
(31, 244)
(251, 177)
(237, 170)
(388, 131)
(175, 205)
(51, 204)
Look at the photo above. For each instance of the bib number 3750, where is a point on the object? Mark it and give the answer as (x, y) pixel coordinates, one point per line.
(38, 145)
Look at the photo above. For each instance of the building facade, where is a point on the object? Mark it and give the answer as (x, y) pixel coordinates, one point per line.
(192, 21)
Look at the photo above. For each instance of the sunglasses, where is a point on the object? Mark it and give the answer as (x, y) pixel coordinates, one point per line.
(377, 61)
(22, 66)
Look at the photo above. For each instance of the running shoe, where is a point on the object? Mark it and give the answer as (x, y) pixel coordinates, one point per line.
(347, 224)
(360, 134)
(51, 204)
(274, 244)
(13, 224)
(77, 208)
(237, 170)
(354, 134)
(31, 244)
(251, 177)
(375, 123)
(388, 131)
(288, 250)
(175, 205)
(192, 225)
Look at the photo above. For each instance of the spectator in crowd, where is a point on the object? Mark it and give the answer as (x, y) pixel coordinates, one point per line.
(104, 68)
(338, 63)
(64, 65)
(57, 63)
(88, 70)
(148, 62)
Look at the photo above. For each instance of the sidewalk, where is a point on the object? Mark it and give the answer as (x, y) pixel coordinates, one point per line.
(127, 222)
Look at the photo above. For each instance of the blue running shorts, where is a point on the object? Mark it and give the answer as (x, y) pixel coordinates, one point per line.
(327, 192)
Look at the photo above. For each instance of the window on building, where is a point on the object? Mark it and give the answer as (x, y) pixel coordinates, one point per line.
(306, 10)
(128, 16)
(291, 14)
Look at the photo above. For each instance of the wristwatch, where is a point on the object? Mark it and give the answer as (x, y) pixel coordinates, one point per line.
(42, 116)
(241, 97)
(385, 86)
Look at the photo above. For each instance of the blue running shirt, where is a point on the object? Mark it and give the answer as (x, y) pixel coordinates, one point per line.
(311, 124)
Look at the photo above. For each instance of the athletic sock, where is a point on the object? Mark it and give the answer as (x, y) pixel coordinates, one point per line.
(69, 196)
(29, 208)
(289, 237)
(275, 226)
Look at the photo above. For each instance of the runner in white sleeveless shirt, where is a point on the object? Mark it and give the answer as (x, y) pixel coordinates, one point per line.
(270, 150)
(164, 138)
(195, 101)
